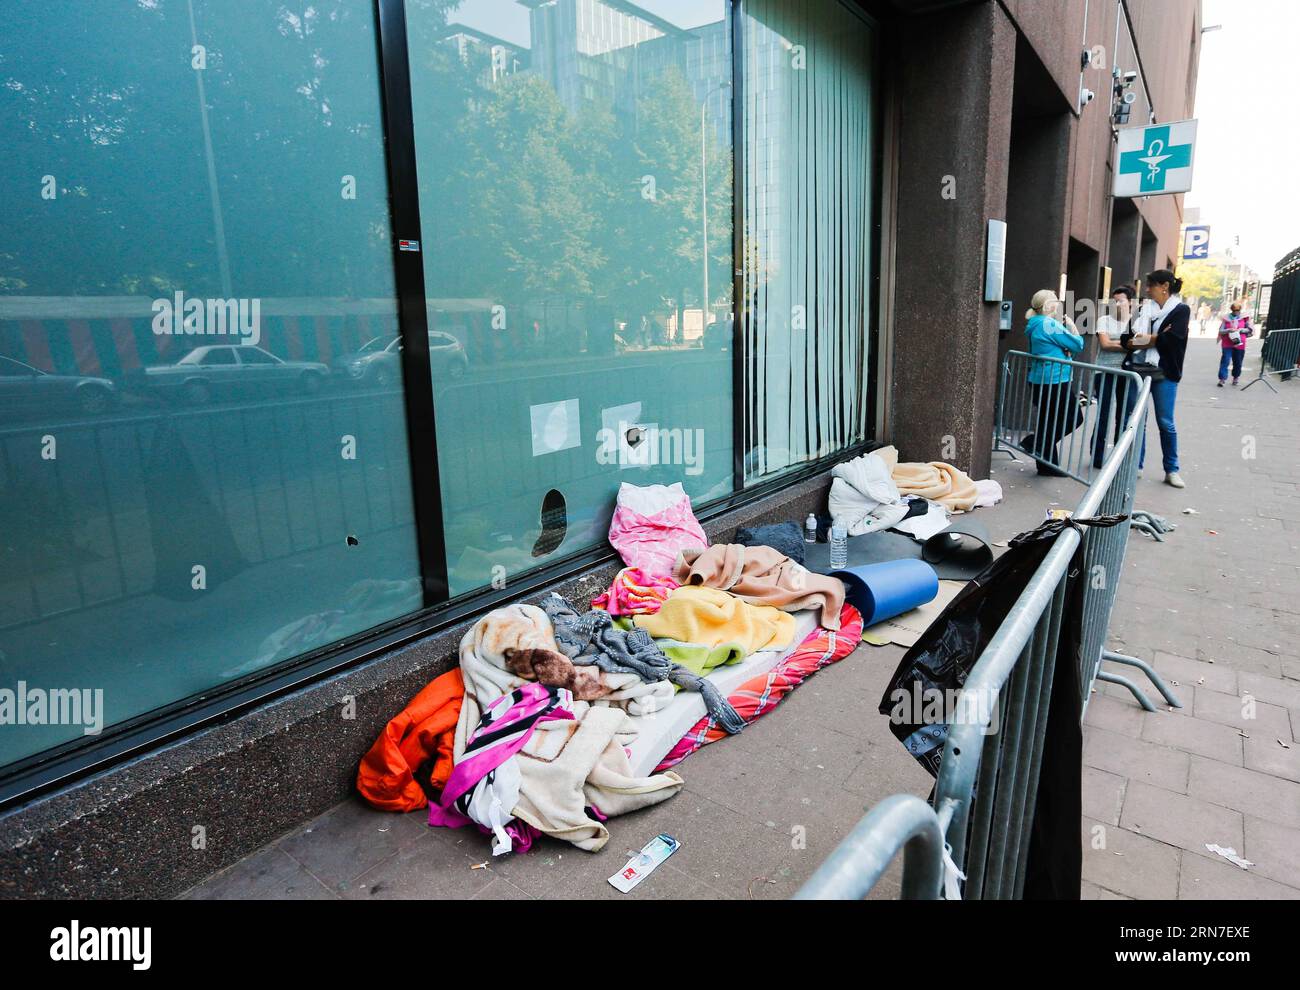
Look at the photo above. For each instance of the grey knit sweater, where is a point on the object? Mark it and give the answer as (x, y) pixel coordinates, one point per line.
(593, 638)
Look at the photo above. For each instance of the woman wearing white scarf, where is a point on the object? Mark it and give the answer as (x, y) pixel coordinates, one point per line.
(1166, 323)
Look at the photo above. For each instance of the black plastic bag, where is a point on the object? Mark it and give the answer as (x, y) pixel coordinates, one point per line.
(942, 659)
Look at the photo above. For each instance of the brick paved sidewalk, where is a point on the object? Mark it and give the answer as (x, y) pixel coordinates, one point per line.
(1216, 607)
(1161, 785)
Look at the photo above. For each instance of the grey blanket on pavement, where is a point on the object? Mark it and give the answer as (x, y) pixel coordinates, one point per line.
(593, 638)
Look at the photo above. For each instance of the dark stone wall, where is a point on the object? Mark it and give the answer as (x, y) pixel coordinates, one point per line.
(987, 93)
(1125, 232)
(1055, 30)
(1090, 200)
(1037, 212)
(954, 100)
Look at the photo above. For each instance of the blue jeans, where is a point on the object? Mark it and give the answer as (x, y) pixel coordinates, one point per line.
(1233, 355)
(1163, 395)
(1113, 392)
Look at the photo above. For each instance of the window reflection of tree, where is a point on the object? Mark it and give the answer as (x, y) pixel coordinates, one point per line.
(548, 208)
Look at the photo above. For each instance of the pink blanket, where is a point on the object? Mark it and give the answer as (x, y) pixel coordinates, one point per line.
(634, 592)
(651, 525)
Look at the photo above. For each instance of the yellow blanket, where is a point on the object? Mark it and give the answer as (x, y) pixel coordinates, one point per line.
(710, 617)
(939, 482)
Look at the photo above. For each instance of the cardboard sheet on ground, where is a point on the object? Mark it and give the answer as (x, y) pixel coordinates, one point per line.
(906, 629)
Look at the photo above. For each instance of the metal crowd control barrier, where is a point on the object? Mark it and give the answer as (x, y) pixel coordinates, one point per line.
(902, 821)
(986, 793)
(1068, 419)
(1058, 421)
(1279, 350)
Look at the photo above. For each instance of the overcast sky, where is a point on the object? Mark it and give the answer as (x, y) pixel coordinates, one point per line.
(1248, 139)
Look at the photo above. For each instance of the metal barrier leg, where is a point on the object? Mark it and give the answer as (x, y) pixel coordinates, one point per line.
(1147, 528)
(999, 449)
(1142, 699)
(1160, 523)
(1147, 669)
(1261, 378)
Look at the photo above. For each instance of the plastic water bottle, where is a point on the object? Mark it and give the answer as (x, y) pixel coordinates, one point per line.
(810, 529)
(839, 545)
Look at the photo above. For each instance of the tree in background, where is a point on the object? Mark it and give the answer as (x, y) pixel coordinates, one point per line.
(658, 209)
(1203, 280)
(549, 209)
(103, 98)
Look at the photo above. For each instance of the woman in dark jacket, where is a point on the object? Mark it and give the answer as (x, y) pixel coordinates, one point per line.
(1166, 322)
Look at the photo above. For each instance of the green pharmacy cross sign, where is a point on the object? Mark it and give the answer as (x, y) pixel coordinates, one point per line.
(1155, 160)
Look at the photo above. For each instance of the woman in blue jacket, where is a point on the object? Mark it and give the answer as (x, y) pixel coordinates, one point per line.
(1053, 393)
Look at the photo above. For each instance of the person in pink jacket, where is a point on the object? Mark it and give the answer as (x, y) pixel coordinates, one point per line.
(1233, 332)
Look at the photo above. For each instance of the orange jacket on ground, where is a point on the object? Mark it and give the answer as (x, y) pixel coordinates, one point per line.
(425, 729)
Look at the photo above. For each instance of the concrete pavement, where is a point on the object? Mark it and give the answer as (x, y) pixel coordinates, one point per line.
(1217, 609)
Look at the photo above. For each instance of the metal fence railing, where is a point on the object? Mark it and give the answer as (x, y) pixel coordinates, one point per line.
(986, 792)
(1066, 415)
(1063, 414)
(1278, 355)
(902, 821)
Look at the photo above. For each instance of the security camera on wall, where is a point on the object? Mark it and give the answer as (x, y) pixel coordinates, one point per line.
(1086, 96)
(1131, 76)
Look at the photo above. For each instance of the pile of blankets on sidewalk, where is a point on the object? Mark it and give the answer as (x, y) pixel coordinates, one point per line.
(530, 734)
(875, 492)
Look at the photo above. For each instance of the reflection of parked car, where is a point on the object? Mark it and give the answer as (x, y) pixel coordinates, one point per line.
(717, 336)
(379, 362)
(224, 369)
(25, 390)
(446, 356)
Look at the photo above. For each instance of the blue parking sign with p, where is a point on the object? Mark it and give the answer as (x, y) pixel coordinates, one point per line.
(1196, 243)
